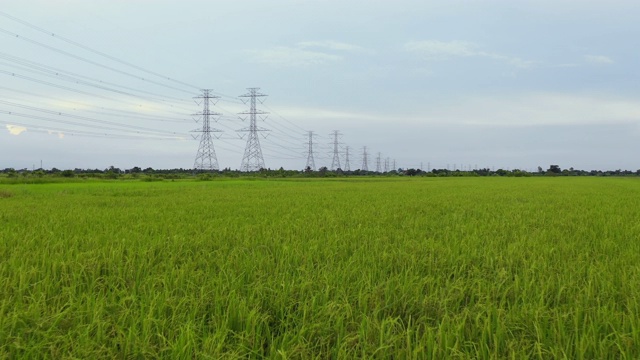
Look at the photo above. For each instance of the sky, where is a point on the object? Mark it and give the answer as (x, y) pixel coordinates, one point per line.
(431, 84)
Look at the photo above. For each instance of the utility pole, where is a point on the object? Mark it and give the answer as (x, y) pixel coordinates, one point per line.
(347, 166)
(378, 164)
(365, 159)
(335, 163)
(252, 159)
(310, 162)
(206, 159)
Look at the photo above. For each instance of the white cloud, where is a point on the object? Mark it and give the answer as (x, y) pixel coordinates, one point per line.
(441, 50)
(16, 130)
(598, 59)
(437, 50)
(60, 134)
(324, 114)
(566, 65)
(288, 56)
(331, 45)
(545, 109)
(306, 53)
(532, 109)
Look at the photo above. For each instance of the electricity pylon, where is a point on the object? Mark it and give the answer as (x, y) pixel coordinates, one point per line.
(347, 166)
(206, 159)
(311, 164)
(252, 159)
(378, 164)
(365, 159)
(335, 164)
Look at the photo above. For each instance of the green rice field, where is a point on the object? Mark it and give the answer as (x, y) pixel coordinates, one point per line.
(401, 268)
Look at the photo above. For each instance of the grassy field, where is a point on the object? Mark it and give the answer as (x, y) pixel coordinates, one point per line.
(296, 269)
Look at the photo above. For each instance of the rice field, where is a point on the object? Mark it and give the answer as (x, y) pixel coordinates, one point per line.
(403, 268)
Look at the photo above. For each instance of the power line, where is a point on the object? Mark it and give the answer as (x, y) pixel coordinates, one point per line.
(69, 41)
(66, 88)
(26, 107)
(94, 63)
(35, 117)
(65, 132)
(66, 78)
(106, 111)
(283, 118)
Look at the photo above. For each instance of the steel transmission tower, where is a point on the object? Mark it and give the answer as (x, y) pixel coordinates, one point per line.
(310, 162)
(365, 159)
(206, 159)
(378, 164)
(347, 167)
(252, 159)
(386, 165)
(335, 164)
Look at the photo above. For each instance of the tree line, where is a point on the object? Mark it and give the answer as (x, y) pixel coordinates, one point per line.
(149, 173)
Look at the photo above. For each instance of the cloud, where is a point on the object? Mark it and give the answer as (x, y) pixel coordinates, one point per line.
(545, 109)
(598, 59)
(59, 133)
(441, 50)
(287, 56)
(503, 111)
(303, 54)
(16, 130)
(331, 45)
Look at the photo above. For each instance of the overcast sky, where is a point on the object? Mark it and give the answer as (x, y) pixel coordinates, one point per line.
(503, 83)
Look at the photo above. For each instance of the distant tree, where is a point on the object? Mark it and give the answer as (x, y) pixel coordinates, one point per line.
(67, 173)
(554, 169)
(411, 172)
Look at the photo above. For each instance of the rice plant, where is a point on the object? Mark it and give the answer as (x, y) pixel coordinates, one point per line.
(428, 268)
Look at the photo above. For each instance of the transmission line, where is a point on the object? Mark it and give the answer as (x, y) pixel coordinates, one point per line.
(79, 117)
(77, 44)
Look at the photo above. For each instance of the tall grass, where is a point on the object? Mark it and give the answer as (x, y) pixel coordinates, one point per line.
(375, 268)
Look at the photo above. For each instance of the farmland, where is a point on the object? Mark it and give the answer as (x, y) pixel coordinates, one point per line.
(309, 268)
